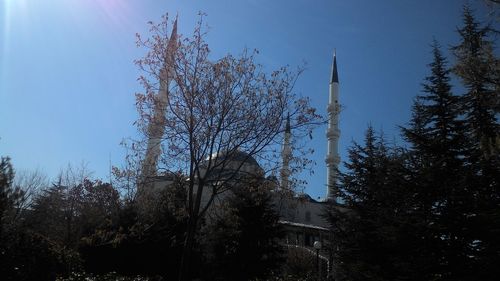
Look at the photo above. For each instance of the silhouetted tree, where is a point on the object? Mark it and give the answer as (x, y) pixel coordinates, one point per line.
(8, 195)
(25, 254)
(478, 70)
(66, 214)
(243, 244)
(442, 202)
(370, 227)
(153, 231)
(204, 108)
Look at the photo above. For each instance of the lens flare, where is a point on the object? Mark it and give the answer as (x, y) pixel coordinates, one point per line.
(115, 12)
(9, 10)
(21, 16)
(114, 9)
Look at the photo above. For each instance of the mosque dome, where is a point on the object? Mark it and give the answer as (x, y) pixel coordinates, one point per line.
(237, 161)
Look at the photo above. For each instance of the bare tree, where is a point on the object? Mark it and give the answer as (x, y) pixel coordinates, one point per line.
(60, 204)
(126, 178)
(213, 111)
(73, 207)
(31, 182)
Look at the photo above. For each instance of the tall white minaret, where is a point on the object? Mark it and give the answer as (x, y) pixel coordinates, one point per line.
(333, 132)
(156, 126)
(286, 154)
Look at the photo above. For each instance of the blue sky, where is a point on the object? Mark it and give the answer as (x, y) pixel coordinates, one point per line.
(67, 78)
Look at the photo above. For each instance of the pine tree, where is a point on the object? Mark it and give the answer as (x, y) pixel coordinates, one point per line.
(442, 201)
(370, 226)
(6, 200)
(478, 69)
(243, 242)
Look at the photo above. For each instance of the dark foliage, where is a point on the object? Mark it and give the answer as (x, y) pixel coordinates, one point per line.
(243, 243)
(25, 254)
(66, 214)
(9, 196)
(442, 203)
(145, 239)
(369, 231)
(479, 70)
(429, 212)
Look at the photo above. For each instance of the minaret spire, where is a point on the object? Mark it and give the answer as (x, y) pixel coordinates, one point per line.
(333, 131)
(286, 154)
(335, 75)
(156, 126)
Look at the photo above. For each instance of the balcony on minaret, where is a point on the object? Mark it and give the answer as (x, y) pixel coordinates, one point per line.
(332, 160)
(333, 134)
(333, 108)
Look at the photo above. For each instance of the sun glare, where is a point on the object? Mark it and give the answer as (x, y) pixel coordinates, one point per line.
(116, 11)
(8, 10)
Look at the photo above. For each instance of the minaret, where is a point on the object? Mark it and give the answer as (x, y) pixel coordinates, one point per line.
(156, 126)
(286, 155)
(333, 132)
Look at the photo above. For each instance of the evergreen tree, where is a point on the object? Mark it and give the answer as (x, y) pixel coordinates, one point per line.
(442, 202)
(370, 228)
(151, 229)
(6, 191)
(431, 212)
(66, 214)
(24, 254)
(243, 244)
(478, 69)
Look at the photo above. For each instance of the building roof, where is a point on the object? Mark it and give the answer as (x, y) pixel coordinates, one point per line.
(303, 225)
(308, 198)
(236, 155)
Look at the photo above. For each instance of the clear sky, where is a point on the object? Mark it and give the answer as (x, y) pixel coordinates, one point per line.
(67, 78)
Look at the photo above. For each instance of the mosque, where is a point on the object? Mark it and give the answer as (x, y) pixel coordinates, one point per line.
(301, 216)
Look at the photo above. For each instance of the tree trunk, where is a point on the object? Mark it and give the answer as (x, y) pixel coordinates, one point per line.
(184, 272)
